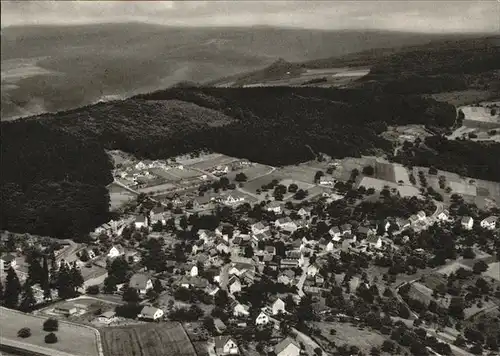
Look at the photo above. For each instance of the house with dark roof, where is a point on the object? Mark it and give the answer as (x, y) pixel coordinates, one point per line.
(287, 347)
(219, 325)
(150, 313)
(7, 261)
(225, 345)
(141, 282)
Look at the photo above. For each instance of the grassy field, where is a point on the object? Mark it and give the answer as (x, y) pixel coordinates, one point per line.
(119, 196)
(213, 161)
(462, 97)
(349, 334)
(74, 339)
(147, 340)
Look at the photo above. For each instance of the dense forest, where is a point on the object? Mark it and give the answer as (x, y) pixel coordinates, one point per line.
(52, 183)
(55, 168)
(467, 158)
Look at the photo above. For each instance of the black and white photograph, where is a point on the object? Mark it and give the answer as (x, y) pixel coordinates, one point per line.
(252, 178)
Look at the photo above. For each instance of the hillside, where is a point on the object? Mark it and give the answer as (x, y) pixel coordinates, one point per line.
(54, 68)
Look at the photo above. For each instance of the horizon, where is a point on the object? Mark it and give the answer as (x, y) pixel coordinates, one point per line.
(447, 17)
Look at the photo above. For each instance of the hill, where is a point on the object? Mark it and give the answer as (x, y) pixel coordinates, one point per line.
(54, 68)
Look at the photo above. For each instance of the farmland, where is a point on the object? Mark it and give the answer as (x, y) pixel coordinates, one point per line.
(350, 334)
(72, 338)
(147, 340)
(118, 196)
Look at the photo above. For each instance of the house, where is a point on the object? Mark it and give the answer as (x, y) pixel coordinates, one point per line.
(413, 219)
(403, 223)
(66, 309)
(234, 285)
(259, 228)
(194, 271)
(107, 317)
(421, 215)
(223, 247)
(278, 306)
(319, 280)
(262, 319)
(270, 250)
(141, 282)
(116, 251)
(332, 245)
(225, 345)
(303, 213)
(444, 215)
(274, 206)
(289, 263)
(373, 241)
(364, 231)
(150, 313)
(467, 222)
(335, 232)
(489, 223)
(282, 221)
(240, 309)
(312, 270)
(7, 261)
(346, 229)
(141, 221)
(328, 182)
(231, 200)
(286, 277)
(220, 327)
(287, 347)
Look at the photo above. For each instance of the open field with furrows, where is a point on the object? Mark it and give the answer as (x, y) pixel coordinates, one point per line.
(348, 334)
(147, 340)
(72, 338)
(384, 171)
(212, 161)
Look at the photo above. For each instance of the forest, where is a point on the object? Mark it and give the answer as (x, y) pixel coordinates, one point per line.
(55, 167)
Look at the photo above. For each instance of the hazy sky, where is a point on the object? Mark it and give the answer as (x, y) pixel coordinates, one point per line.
(421, 16)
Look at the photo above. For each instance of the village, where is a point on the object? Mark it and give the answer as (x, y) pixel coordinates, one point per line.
(323, 258)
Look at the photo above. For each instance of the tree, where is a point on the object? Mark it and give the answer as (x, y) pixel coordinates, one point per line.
(388, 346)
(50, 338)
(120, 269)
(1, 293)
(51, 324)
(24, 333)
(12, 289)
(477, 349)
(157, 286)
(368, 170)
(248, 251)
(28, 300)
(154, 256)
(479, 267)
(301, 194)
(76, 278)
(92, 289)
(318, 351)
(292, 188)
(110, 284)
(131, 295)
(241, 177)
(318, 175)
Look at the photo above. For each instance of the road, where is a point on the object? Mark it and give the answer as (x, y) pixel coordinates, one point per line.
(302, 279)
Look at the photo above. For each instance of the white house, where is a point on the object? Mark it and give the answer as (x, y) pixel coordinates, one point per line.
(141, 282)
(421, 215)
(467, 222)
(194, 271)
(223, 247)
(274, 206)
(287, 347)
(241, 310)
(312, 270)
(489, 223)
(303, 213)
(278, 306)
(373, 241)
(225, 345)
(230, 200)
(140, 221)
(7, 261)
(115, 251)
(262, 319)
(327, 182)
(444, 215)
(286, 277)
(150, 313)
(259, 228)
(335, 233)
(234, 285)
(346, 229)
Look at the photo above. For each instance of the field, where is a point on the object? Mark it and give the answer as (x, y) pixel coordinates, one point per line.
(252, 172)
(147, 340)
(211, 161)
(346, 333)
(479, 114)
(119, 196)
(462, 97)
(384, 171)
(492, 271)
(72, 338)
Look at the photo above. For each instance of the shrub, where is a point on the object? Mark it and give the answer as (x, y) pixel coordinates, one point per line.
(93, 289)
(50, 338)
(51, 324)
(24, 332)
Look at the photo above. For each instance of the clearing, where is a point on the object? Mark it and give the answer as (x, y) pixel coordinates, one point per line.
(72, 338)
(153, 339)
(349, 334)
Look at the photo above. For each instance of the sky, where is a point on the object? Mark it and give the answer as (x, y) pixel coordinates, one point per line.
(419, 16)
